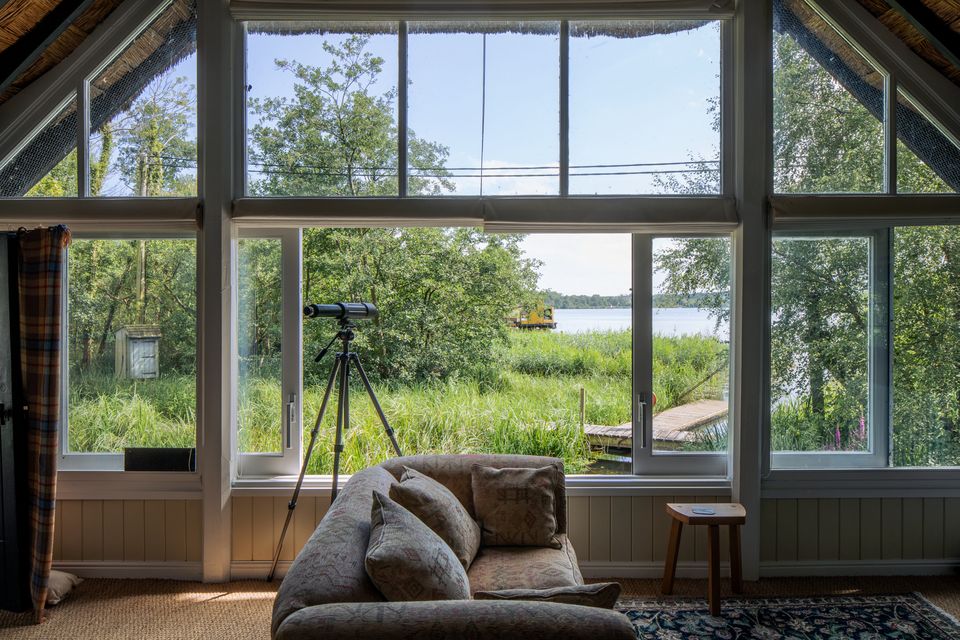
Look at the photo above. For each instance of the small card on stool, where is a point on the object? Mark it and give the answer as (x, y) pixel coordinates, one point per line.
(704, 511)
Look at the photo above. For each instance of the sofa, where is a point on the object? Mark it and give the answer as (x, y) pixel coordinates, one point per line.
(327, 593)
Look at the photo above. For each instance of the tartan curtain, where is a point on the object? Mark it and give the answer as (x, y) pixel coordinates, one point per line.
(41, 279)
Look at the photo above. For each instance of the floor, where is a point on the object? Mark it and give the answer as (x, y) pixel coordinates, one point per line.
(171, 610)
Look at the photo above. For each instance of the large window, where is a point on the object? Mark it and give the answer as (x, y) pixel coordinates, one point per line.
(493, 343)
(131, 326)
(645, 107)
(843, 395)
(829, 130)
(140, 111)
(484, 108)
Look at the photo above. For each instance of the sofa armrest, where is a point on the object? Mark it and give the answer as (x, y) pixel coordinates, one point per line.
(455, 619)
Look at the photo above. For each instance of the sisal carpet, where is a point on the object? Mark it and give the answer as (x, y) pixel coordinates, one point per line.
(170, 610)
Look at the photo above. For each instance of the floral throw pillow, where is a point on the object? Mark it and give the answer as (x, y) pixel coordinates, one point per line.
(439, 509)
(516, 506)
(408, 561)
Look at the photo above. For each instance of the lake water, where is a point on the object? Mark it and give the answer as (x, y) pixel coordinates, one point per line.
(672, 321)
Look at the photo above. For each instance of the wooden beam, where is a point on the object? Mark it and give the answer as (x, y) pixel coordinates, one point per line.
(934, 29)
(18, 57)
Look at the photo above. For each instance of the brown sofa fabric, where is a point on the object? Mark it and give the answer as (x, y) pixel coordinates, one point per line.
(516, 506)
(327, 593)
(602, 594)
(440, 510)
(456, 620)
(408, 561)
(497, 568)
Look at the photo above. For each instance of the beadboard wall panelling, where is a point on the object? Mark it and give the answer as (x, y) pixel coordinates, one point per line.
(859, 530)
(115, 531)
(258, 521)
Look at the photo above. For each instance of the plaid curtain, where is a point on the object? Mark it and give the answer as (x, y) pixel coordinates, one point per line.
(41, 280)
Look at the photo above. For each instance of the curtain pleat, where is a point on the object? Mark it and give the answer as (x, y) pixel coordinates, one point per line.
(41, 280)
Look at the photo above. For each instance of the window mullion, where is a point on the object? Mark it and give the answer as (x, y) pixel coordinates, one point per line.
(402, 132)
(564, 108)
(890, 134)
(83, 139)
(881, 336)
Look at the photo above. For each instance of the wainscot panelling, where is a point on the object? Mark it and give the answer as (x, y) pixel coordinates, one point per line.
(92, 532)
(882, 535)
(258, 521)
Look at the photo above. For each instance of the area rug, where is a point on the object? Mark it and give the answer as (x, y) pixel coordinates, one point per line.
(904, 617)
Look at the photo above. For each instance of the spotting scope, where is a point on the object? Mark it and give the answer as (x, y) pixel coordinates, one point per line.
(341, 310)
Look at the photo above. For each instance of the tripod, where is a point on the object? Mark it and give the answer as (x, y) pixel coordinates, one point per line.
(341, 368)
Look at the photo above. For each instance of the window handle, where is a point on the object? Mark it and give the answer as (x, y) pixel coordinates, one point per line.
(642, 416)
(291, 419)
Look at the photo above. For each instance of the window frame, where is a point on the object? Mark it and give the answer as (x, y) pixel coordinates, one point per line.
(879, 360)
(647, 461)
(288, 461)
(68, 460)
(726, 152)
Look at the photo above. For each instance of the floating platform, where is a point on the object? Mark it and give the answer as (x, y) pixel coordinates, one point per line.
(676, 426)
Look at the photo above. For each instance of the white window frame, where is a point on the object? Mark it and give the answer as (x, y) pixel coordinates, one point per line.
(287, 462)
(93, 461)
(647, 461)
(879, 362)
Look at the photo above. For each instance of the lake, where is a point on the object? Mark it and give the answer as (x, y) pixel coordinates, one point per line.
(671, 321)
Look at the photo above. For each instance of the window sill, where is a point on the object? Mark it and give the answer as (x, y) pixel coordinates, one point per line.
(577, 485)
(128, 485)
(942, 482)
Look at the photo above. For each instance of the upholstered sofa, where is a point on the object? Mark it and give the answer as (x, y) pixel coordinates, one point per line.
(327, 593)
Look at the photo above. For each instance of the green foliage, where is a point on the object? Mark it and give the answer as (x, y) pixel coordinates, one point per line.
(443, 295)
(153, 139)
(335, 136)
(575, 301)
(61, 182)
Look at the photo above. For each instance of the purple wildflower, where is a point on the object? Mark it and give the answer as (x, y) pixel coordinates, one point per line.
(836, 435)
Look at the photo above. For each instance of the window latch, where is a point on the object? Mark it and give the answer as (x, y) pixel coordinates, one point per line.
(642, 418)
(291, 419)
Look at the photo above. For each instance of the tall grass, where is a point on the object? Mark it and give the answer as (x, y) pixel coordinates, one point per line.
(530, 406)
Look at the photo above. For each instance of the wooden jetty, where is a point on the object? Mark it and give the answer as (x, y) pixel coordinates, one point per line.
(673, 427)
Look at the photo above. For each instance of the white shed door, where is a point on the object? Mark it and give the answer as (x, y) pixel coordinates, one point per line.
(143, 359)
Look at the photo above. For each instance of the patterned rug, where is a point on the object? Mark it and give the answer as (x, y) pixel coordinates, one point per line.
(904, 617)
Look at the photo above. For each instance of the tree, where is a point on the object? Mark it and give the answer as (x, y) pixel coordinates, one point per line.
(442, 294)
(335, 137)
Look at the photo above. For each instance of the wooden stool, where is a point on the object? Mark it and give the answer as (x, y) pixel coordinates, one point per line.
(732, 515)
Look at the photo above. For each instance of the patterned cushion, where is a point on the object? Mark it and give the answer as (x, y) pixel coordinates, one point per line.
(497, 568)
(516, 506)
(408, 561)
(602, 594)
(440, 510)
(455, 471)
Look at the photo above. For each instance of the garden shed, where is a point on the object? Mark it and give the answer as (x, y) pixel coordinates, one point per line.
(137, 349)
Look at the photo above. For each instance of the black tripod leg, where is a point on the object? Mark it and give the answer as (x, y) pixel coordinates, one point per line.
(303, 468)
(343, 420)
(376, 404)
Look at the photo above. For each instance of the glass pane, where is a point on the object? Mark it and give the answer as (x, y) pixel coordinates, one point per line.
(132, 337)
(827, 108)
(645, 107)
(259, 342)
(926, 373)
(447, 358)
(819, 344)
(143, 112)
(321, 109)
(927, 160)
(47, 165)
(691, 344)
(484, 108)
